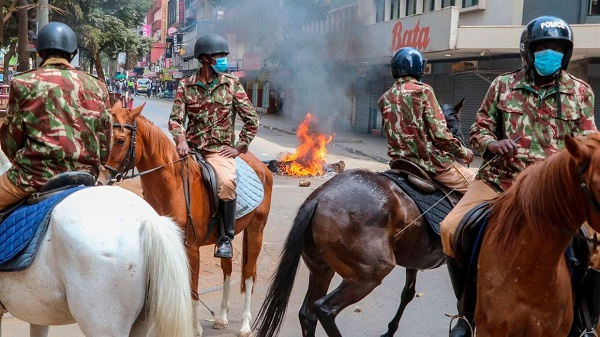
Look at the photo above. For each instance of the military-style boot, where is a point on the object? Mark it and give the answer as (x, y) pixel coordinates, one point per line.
(459, 281)
(224, 249)
(590, 291)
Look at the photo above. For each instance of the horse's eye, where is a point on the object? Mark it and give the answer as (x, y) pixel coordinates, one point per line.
(121, 141)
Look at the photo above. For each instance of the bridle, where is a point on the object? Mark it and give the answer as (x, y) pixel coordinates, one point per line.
(128, 163)
(592, 201)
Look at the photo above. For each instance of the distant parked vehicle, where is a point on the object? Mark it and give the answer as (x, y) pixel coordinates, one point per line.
(143, 85)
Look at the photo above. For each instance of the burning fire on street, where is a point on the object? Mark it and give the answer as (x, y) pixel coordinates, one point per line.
(309, 158)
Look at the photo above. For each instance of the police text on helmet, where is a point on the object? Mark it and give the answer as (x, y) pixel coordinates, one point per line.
(553, 24)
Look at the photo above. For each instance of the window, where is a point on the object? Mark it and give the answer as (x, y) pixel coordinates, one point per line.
(395, 9)
(594, 7)
(428, 5)
(411, 7)
(448, 3)
(380, 11)
(469, 3)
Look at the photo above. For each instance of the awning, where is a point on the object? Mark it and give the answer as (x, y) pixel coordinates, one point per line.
(150, 75)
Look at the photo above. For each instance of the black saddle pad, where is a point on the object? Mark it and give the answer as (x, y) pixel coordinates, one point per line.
(433, 215)
(469, 236)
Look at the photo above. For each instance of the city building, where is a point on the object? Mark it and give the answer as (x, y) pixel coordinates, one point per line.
(467, 44)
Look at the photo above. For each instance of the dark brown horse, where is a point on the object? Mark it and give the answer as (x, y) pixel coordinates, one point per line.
(164, 190)
(523, 283)
(359, 225)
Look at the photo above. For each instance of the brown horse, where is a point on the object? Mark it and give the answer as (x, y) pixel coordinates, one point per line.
(359, 225)
(524, 286)
(164, 190)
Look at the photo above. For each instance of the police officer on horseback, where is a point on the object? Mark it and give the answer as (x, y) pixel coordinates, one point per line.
(524, 118)
(415, 126)
(58, 119)
(210, 100)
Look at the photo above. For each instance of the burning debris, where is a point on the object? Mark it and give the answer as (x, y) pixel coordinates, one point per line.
(309, 158)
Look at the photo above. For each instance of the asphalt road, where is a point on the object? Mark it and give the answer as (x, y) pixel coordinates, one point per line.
(425, 316)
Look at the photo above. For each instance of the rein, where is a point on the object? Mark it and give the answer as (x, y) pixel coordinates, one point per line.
(592, 201)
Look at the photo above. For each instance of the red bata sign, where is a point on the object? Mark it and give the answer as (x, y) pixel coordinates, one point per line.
(418, 37)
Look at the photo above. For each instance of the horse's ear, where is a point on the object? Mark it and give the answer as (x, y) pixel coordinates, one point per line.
(577, 148)
(118, 105)
(137, 111)
(459, 106)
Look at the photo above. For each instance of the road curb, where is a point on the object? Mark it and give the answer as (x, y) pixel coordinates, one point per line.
(343, 147)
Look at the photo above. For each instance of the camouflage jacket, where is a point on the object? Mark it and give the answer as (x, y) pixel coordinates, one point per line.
(416, 127)
(210, 112)
(532, 114)
(58, 120)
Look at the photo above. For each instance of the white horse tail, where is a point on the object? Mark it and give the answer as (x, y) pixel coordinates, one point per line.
(169, 300)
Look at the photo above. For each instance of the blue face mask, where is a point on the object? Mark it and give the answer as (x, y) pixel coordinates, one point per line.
(547, 62)
(221, 65)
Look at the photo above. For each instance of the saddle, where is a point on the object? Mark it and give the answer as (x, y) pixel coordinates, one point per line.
(24, 224)
(434, 200)
(468, 237)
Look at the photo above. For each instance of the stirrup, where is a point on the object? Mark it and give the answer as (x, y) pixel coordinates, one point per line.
(223, 240)
(586, 331)
(458, 317)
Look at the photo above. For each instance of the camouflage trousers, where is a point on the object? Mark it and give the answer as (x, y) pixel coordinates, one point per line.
(225, 171)
(9, 193)
(477, 193)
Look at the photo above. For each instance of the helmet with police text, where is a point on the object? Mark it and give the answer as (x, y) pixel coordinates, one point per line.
(210, 44)
(408, 61)
(56, 36)
(547, 28)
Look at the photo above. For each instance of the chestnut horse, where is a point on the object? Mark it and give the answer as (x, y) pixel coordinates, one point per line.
(524, 286)
(358, 224)
(164, 190)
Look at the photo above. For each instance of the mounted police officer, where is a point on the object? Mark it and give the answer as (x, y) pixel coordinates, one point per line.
(58, 119)
(522, 121)
(416, 127)
(210, 100)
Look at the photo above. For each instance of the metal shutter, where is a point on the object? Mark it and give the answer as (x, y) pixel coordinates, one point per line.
(473, 88)
(444, 89)
(362, 105)
(377, 89)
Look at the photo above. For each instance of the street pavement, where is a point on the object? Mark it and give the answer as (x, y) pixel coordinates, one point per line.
(425, 316)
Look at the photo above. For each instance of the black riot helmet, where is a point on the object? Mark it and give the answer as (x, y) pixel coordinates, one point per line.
(548, 28)
(58, 37)
(408, 61)
(210, 44)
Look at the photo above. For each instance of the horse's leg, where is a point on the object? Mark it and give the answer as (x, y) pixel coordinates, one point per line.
(348, 292)
(318, 284)
(38, 330)
(253, 236)
(221, 321)
(193, 254)
(408, 293)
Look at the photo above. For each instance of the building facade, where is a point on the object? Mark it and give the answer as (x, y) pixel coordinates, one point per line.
(467, 43)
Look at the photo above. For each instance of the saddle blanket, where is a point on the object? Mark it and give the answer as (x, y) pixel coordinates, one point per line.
(432, 216)
(23, 230)
(250, 190)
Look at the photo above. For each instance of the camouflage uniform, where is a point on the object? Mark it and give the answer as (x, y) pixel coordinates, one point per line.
(532, 114)
(58, 120)
(416, 130)
(210, 111)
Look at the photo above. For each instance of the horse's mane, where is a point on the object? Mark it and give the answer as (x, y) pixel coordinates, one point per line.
(544, 196)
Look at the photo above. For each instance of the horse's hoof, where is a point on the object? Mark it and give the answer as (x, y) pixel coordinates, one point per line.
(246, 334)
(219, 324)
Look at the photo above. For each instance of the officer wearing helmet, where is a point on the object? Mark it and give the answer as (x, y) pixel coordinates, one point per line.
(520, 122)
(209, 101)
(58, 119)
(415, 125)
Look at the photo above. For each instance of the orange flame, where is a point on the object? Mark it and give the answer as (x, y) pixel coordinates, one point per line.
(310, 154)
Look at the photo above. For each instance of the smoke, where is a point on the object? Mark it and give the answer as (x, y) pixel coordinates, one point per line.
(299, 63)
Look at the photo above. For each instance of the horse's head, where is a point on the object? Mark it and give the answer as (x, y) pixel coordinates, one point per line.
(452, 114)
(123, 154)
(586, 155)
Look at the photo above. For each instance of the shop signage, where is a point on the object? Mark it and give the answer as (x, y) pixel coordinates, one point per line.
(417, 37)
(181, 12)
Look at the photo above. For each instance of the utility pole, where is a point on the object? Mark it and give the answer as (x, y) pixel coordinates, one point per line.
(42, 20)
(23, 45)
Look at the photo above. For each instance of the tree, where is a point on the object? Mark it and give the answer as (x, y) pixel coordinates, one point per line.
(105, 26)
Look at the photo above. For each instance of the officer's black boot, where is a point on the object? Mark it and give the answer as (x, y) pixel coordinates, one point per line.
(224, 248)
(590, 290)
(458, 280)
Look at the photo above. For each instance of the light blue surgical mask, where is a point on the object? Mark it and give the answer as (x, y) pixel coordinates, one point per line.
(547, 62)
(221, 65)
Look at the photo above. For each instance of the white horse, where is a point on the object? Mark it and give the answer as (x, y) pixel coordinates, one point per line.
(109, 263)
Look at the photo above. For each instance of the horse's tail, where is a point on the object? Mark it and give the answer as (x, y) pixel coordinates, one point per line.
(272, 311)
(169, 301)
